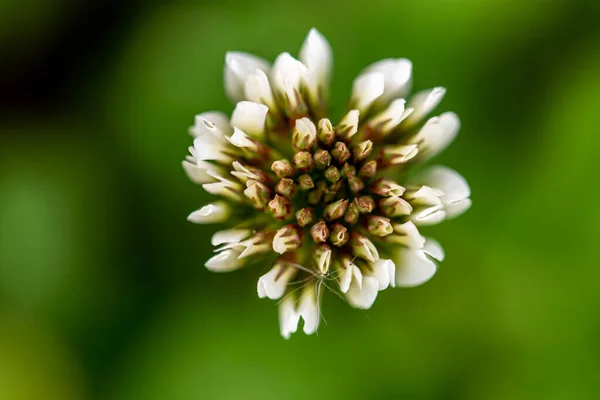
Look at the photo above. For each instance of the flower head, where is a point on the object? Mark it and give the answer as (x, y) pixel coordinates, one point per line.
(329, 200)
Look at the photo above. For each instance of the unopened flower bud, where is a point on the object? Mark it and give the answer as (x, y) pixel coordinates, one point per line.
(325, 132)
(341, 152)
(379, 226)
(282, 168)
(336, 210)
(305, 216)
(258, 193)
(332, 191)
(363, 247)
(386, 187)
(400, 154)
(287, 239)
(305, 182)
(395, 206)
(286, 187)
(322, 159)
(305, 134)
(332, 174)
(348, 126)
(368, 169)
(280, 207)
(362, 150)
(364, 204)
(315, 195)
(319, 232)
(339, 235)
(351, 216)
(322, 255)
(303, 161)
(356, 184)
(348, 170)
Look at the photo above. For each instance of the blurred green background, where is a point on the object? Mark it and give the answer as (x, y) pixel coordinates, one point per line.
(103, 293)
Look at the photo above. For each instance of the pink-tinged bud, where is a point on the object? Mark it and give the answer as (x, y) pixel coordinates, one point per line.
(395, 206)
(363, 247)
(282, 168)
(258, 193)
(379, 226)
(288, 238)
(280, 207)
(336, 210)
(332, 174)
(325, 132)
(319, 232)
(356, 184)
(341, 152)
(365, 204)
(351, 216)
(339, 235)
(286, 187)
(386, 187)
(303, 161)
(305, 134)
(348, 170)
(305, 182)
(368, 169)
(322, 159)
(362, 150)
(305, 216)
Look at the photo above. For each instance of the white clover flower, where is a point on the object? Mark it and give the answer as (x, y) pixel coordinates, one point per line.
(319, 197)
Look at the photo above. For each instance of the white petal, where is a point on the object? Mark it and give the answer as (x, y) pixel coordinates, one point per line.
(288, 317)
(258, 89)
(413, 268)
(366, 89)
(308, 308)
(434, 249)
(426, 195)
(286, 78)
(273, 283)
(457, 208)
(384, 271)
(197, 171)
(454, 187)
(324, 261)
(250, 117)
(317, 56)
(429, 216)
(436, 134)
(241, 140)
(229, 236)
(224, 187)
(238, 66)
(408, 235)
(208, 148)
(345, 279)
(349, 123)
(210, 213)
(225, 261)
(451, 124)
(363, 296)
(391, 116)
(213, 123)
(423, 103)
(397, 75)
